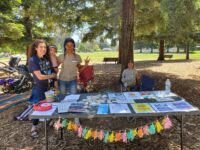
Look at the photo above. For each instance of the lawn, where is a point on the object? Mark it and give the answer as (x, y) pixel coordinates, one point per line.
(98, 56)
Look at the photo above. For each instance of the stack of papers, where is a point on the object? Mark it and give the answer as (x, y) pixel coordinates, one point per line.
(142, 108)
(116, 96)
(147, 95)
(119, 108)
(132, 95)
(63, 107)
(78, 107)
(71, 98)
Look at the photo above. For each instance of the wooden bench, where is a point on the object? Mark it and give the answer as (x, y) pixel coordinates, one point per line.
(110, 59)
(168, 56)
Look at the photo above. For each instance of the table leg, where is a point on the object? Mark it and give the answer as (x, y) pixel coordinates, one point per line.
(46, 134)
(181, 136)
(61, 133)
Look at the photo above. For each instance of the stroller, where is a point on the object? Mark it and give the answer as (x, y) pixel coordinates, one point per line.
(11, 68)
(20, 84)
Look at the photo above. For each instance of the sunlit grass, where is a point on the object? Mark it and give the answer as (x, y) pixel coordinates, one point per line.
(98, 56)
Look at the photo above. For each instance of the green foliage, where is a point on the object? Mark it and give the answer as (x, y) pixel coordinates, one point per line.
(22, 21)
(88, 47)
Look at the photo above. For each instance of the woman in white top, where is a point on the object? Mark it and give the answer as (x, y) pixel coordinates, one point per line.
(130, 76)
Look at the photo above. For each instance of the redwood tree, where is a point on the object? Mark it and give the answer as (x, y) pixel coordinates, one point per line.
(161, 50)
(127, 29)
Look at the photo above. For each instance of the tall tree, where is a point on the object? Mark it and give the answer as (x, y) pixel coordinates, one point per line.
(126, 38)
(10, 29)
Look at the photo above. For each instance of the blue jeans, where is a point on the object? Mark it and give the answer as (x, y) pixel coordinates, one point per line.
(67, 86)
(38, 94)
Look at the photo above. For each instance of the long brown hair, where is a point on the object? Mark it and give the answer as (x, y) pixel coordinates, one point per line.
(31, 50)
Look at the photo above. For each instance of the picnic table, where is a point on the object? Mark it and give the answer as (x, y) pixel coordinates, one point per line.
(179, 115)
(168, 56)
(110, 59)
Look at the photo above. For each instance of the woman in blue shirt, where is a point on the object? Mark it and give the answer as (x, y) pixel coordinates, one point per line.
(39, 65)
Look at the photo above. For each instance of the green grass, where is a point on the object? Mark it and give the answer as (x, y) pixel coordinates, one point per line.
(98, 56)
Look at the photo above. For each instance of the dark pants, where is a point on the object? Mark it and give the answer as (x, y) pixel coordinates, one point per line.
(38, 94)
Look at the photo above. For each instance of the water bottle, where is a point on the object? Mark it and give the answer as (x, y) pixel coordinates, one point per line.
(167, 86)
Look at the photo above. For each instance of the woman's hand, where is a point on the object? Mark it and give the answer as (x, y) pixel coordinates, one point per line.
(87, 60)
(53, 75)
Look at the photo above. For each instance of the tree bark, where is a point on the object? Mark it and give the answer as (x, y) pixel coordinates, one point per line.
(187, 51)
(151, 50)
(161, 50)
(178, 49)
(127, 30)
(28, 27)
(120, 51)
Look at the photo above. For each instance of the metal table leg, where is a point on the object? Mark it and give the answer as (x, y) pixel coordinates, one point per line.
(61, 133)
(181, 135)
(46, 133)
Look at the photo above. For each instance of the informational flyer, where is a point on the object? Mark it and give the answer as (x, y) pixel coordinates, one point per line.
(162, 107)
(102, 109)
(182, 106)
(116, 96)
(132, 95)
(78, 107)
(142, 108)
(119, 108)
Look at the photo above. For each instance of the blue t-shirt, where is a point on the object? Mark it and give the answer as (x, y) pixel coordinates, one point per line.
(39, 64)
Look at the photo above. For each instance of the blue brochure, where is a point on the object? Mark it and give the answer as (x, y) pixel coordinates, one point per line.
(102, 109)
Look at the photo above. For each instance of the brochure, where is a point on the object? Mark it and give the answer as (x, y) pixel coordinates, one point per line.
(142, 108)
(119, 108)
(63, 107)
(132, 95)
(71, 98)
(147, 95)
(116, 96)
(78, 107)
(162, 107)
(182, 106)
(102, 109)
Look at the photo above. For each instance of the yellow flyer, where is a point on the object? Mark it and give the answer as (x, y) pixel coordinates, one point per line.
(142, 108)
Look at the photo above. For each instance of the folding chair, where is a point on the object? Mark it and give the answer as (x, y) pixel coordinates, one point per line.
(147, 83)
(85, 77)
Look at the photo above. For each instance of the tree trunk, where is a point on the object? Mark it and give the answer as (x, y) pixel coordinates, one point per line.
(178, 49)
(140, 50)
(120, 51)
(187, 51)
(127, 32)
(161, 50)
(151, 50)
(185, 47)
(27, 21)
(167, 49)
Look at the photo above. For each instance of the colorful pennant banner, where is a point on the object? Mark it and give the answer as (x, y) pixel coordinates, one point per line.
(107, 136)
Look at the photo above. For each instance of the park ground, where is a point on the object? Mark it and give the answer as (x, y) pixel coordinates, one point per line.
(185, 79)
